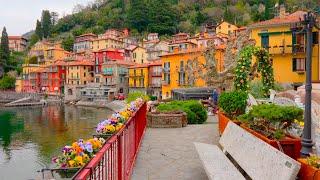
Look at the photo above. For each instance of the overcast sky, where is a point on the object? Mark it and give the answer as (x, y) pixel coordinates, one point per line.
(20, 16)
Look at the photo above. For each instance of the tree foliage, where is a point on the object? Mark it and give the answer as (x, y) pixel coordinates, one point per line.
(4, 51)
(7, 82)
(46, 23)
(67, 43)
(164, 16)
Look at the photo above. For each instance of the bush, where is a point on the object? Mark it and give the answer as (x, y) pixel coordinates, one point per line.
(267, 117)
(256, 89)
(7, 82)
(132, 96)
(233, 103)
(196, 113)
(153, 98)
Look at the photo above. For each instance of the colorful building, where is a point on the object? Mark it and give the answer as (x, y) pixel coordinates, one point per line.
(155, 50)
(139, 78)
(17, 43)
(286, 48)
(79, 72)
(176, 73)
(226, 28)
(115, 76)
(53, 54)
(139, 55)
(105, 55)
(110, 39)
(155, 79)
(83, 43)
(56, 77)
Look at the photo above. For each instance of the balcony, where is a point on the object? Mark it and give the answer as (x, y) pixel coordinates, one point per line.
(108, 73)
(157, 74)
(298, 48)
(155, 85)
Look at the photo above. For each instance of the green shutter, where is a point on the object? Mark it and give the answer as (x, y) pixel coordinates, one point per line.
(294, 64)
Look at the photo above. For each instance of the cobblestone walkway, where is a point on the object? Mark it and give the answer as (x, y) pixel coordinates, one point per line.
(169, 154)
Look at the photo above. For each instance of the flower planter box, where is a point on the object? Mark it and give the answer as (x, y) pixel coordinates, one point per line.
(291, 145)
(223, 121)
(167, 120)
(308, 172)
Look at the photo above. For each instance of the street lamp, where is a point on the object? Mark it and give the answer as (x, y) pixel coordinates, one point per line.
(309, 22)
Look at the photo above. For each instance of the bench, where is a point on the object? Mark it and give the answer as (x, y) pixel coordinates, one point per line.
(257, 159)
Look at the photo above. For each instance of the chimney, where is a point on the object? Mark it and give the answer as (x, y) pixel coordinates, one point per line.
(282, 11)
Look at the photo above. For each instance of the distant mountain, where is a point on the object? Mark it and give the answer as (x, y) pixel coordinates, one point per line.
(28, 35)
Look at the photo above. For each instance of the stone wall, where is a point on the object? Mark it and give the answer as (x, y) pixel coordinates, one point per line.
(166, 120)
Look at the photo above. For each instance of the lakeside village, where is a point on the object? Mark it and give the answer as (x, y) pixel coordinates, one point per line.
(259, 72)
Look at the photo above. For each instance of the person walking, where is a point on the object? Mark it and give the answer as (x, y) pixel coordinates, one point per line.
(215, 97)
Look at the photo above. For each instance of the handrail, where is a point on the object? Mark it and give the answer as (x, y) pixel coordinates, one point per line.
(116, 158)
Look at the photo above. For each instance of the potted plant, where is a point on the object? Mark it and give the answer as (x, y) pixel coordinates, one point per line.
(270, 123)
(309, 168)
(231, 105)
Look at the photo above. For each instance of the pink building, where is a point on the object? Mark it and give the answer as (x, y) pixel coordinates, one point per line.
(17, 43)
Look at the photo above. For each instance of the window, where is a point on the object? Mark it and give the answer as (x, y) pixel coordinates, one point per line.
(134, 83)
(85, 82)
(142, 82)
(97, 80)
(229, 26)
(141, 60)
(84, 74)
(265, 41)
(315, 38)
(141, 72)
(182, 78)
(181, 65)
(298, 64)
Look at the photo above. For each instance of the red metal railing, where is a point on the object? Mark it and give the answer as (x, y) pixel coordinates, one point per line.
(116, 158)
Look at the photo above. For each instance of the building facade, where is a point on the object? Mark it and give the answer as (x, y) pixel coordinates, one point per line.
(287, 49)
(139, 78)
(83, 43)
(155, 79)
(17, 43)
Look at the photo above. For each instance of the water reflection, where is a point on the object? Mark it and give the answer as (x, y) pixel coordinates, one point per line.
(29, 137)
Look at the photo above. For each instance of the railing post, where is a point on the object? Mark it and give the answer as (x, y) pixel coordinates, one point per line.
(120, 157)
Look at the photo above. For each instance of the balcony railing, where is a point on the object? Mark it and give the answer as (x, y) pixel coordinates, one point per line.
(155, 85)
(298, 48)
(116, 158)
(156, 74)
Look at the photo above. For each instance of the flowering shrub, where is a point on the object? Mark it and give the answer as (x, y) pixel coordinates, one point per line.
(80, 152)
(245, 69)
(314, 161)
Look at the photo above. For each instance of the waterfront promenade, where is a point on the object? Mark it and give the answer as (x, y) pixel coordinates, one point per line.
(169, 153)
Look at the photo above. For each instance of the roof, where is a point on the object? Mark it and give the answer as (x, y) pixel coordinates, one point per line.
(16, 37)
(288, 19)
(60, 63)
(88, 34)
(156, 63)
(193, 50)
(110, 49)
(225, 22)
(40, 70)
(131, 47)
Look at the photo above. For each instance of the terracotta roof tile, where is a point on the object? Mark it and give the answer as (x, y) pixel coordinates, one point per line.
(291, 18)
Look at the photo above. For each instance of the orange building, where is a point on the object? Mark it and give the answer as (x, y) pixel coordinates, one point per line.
(17, 43)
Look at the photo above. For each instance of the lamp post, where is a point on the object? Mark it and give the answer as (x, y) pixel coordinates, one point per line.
(308, 24)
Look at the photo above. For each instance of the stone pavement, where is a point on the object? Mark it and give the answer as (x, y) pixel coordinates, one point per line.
(169, 153)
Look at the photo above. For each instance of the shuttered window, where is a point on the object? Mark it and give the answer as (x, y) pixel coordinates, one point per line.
(298, 64)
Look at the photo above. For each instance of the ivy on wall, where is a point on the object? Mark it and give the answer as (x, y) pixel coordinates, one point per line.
(244, 69)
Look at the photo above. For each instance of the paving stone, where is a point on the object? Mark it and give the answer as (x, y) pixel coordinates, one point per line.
(168, 154)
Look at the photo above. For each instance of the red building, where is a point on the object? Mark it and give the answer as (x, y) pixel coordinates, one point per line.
(106, 55)
(56, 77)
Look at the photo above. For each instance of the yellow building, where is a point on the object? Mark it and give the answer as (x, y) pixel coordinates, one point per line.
(110, 39)
(139, 78)
(139, 55)
(53, 54)
(287, 49)
(175, 73)
(79, 72)
(18, 85)
(226, 28)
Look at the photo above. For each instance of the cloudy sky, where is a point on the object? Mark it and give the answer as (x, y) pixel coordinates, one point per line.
(20, 16)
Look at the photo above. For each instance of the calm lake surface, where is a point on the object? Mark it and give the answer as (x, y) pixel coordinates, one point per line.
(30, 137)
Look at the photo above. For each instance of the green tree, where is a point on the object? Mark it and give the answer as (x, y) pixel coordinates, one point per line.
(162, 17)
(7, 82)
(38, 30)
(46, 23)
(138, 15)
(4, 51)
(33, 40)
(67, 43)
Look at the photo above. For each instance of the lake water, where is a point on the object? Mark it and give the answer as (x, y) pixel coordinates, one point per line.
(30, 137)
